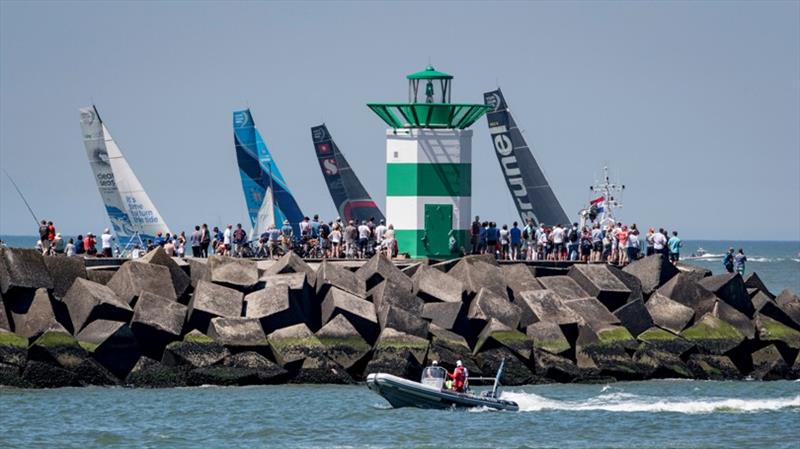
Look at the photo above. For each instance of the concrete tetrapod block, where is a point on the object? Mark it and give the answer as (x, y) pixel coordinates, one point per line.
(730, 288)
(735, 318)
(665, 341)
(519, 278)
(378, 269)
(133, 278)
(290, 263)
(344, 345)
(495, 333)
(545, 305)
(5, 324)
(498, 342)
(598, 281)
(100, 275)
(768, 364)
(61, 350)
(151, 373)
(238, 273)
(713, 336)
(653, 272)
(359, 312)
(448, 347)
(210, 301)
(301, 292)
(592, 312)
(683, 289)
(198, 270)
(632, 282)
(13, 359)
(23, 269)
(194, 351)
(31, 312)
(487, 305)
(547, 336)
(180, 280)
(565, 287)
(387, 293)
(402, 320)
(693, 272)
(712, 367)
(554, 367)
(767, 307)
(111, 343)
(635, 317)
(432, 285)
(266, 372)
(87, 301)
(773, 331)
(669, 314)
(399, 354)
(64, 271)
(411, 269)
(301, 353)
(660, 365)
(787, 296)
(238, 334)
(447, 315)
(241, 274)
(604, 354)
(752, 280)
(331, 275)
(156, 322)
(274, 307)
(477, 274)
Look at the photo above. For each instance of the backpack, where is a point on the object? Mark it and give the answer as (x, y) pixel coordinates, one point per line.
(43, 232)
(525, 233)
(573, 235)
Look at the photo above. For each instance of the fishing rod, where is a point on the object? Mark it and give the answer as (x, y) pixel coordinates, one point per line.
(23, 197)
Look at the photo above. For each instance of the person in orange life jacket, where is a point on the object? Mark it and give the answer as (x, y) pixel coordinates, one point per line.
(459, 377)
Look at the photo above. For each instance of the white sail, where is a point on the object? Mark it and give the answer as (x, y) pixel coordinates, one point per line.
(266, 215)
(127, 204)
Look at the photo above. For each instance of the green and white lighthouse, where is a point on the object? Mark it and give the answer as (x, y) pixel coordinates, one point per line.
(429, 166)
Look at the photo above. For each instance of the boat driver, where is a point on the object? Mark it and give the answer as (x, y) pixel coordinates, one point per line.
(459, 377)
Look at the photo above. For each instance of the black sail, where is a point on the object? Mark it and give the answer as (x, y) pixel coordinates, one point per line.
(349, 196)
(532, 195)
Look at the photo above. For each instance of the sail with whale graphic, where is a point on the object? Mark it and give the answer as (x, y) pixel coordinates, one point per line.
(349, 196)
(259, 172)
(131, 211)
(532, 194)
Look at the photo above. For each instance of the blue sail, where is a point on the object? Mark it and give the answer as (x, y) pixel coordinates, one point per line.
(259, 171)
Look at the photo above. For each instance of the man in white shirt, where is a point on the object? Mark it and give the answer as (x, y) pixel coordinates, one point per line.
(380, 231)
(558, 241)
(660, 243)
(363, 239)
(226, 237)
(105, 240)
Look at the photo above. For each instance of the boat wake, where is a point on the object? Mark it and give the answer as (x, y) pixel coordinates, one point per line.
(626, 402)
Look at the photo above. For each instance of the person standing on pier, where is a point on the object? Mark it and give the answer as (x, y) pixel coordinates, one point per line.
(105, 242)
(674, 245)
(205, 240)
(195, 239)
(739, 262)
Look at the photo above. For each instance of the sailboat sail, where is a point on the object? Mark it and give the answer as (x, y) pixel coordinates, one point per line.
(259, 171)
(532, 194)
(266, 215)
(349, 196)
(128, 206)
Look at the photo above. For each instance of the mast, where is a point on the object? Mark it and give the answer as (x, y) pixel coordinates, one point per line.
(608, 200)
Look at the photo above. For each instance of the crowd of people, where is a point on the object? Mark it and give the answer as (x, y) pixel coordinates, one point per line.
(615, 243)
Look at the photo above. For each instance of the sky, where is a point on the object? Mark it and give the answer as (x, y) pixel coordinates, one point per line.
(694, 106)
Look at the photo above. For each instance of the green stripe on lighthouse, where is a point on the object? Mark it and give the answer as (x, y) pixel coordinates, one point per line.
(428, 179)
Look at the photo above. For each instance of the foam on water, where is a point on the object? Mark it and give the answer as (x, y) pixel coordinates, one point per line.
(627, 402)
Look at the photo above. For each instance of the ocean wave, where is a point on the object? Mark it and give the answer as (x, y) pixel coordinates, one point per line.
(627, 402)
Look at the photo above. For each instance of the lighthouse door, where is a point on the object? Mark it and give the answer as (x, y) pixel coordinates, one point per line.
(438, 224)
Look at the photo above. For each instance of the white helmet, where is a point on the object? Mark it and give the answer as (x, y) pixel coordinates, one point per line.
(434, 363)
(458, 362)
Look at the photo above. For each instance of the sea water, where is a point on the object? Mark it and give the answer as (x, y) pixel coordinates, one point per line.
(652, 414)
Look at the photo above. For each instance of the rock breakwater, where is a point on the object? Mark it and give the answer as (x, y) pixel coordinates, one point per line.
(161, 322)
